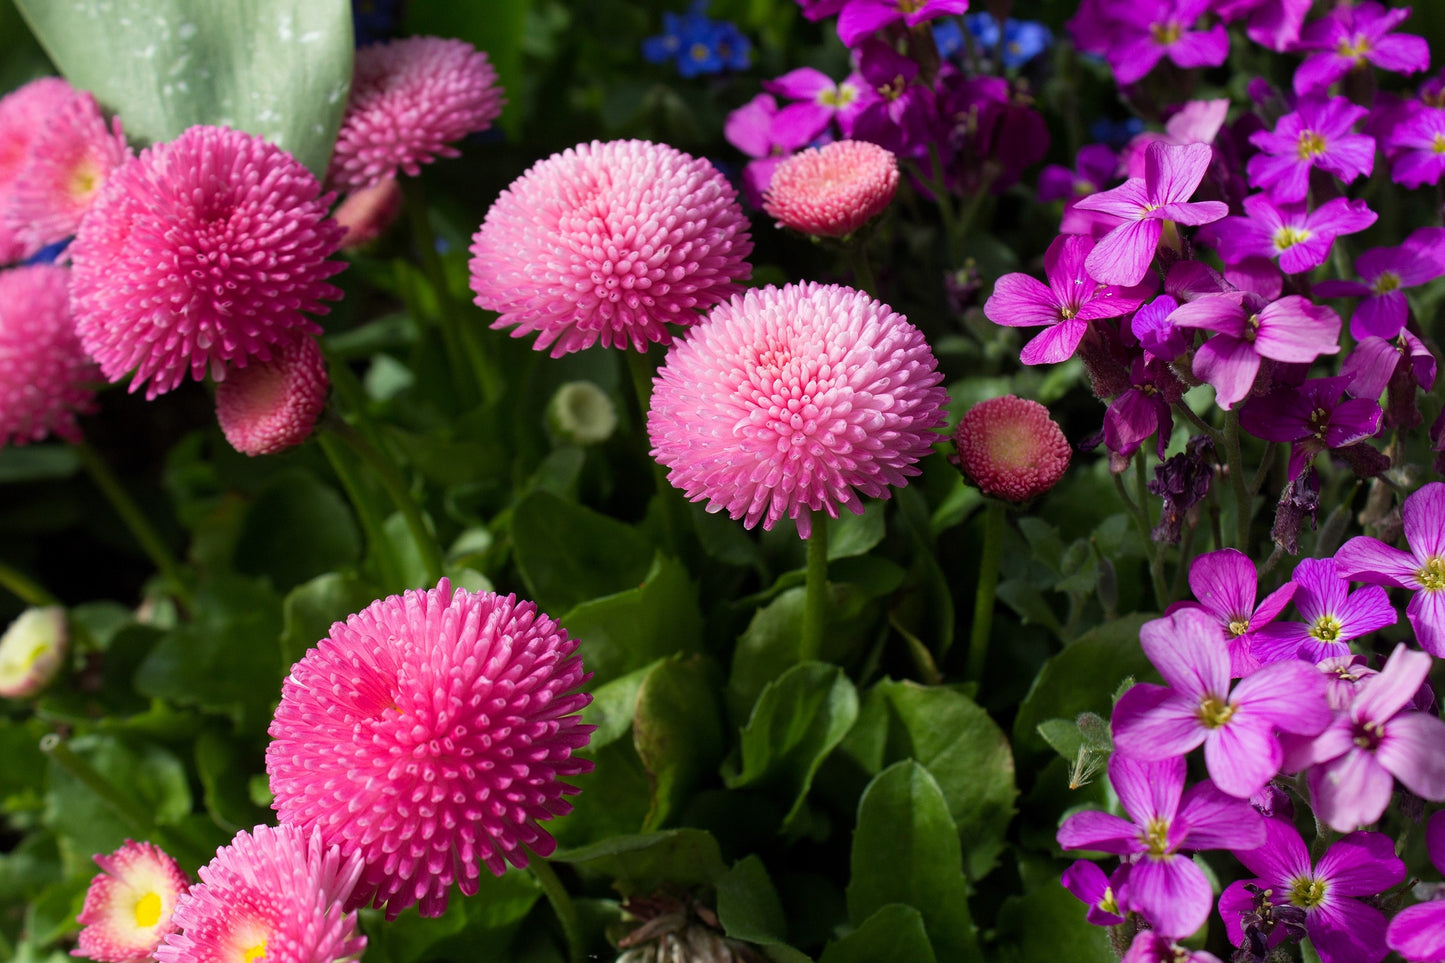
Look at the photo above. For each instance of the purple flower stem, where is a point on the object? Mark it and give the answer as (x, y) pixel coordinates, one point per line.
(987, 592)
(1234, 460)
(815, 599)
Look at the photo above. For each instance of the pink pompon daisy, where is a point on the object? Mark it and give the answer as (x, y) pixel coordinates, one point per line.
(410, 99)
(274, 895)
(833, 190)
(269, 406)
(24, 114)
(792, 400)
(69, 161)
(203, 253)
(612, 242)
(45, 375)
(1011, 449)
(430, 733)
(129, 905)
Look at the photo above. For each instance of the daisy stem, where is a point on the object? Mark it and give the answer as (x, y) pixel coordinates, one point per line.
(396, 488)
(987, 591)
(132, 812)
(27, 589)
(1235, 460)
(366, 511)
(674, 520)
(140, 527)
(561, 905)
(857, 254)
(815, 599)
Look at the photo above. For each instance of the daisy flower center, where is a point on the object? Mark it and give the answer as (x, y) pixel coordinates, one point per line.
(1432, 576)
(1166, 33)
(1214, 712)
(255, 953)
(1287, 237)
(84, 179)
(1156, 838)
(1311, 144)
(1386, 282)
(148, 910)
(1326, 628)
(1307, 892)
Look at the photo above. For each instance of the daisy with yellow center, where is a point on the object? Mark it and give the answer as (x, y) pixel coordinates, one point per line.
(129, 905)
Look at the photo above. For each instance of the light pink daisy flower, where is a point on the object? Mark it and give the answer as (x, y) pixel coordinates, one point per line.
(274, 895)
(833, 190)
(24, 114)
(204, 253)
(1011, 449)
(410, 99)
(269, 406)
(612, 242)
(129, 905)
(69, 161)
(45, 375)
(793, 400)
(429, 734)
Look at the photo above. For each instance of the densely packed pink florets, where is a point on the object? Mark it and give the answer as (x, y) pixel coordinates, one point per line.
(833, 190)
(269, 406)
(45, 375)
(1011, 449)
(23, 116)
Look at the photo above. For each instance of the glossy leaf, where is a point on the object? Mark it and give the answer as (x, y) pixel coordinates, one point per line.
(677, 732)
(569, 554)
(625, 631)
(682, 857)
(894, 934)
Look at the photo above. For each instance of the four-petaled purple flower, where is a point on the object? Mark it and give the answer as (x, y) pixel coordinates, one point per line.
(1416, 147)
(1352, 36)
(1298, 237)
(817, 102)
(1163, 28)
(1163, 884)
(1225, 583)
(1418, 932)
(1384, 272)
(861, 17)
(1312, 418)
(1332, 616)
(1099, 892)
(1141, 411)
(1318, 134)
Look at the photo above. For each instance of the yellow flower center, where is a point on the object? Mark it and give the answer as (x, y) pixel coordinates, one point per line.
(1108, 903)
(1355, 47)
(1311, 144)
(1326, 628)
(1387, 281)
(255, 953)
(1438, 144)
(1214, 712)
(840, 96)
(1307, 892)
(1432, 576)
(1238, 626)
(84, 179)
(1156, 838)
(698, 52)
(1287, 237)
(1166, 33)
(148, 910)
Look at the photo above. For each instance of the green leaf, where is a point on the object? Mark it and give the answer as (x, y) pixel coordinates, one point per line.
(613, 799)
(477, 929)
(37, 463)
(1082, 678)
(894, 934)
(850, 534)
(1048, 924)
(677, 732)
(630, 629)
(748, 906)
(280, 69)
(644, 862)
(568, 554)
(795, 724)
(613, 706)
(1063, 736)
(225, 780)
(311, 608)
(296, 529)
(905, 850)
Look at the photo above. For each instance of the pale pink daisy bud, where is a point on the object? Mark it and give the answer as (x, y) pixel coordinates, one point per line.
(24, 114)
(610, 242)
(410, 99)
(367, 213)
(581, 413)
(429, 734)
(833, 190)
(45, 375)
(274, 895)
(1011, 449)
(793, 400)
(129, 906)
(204, 252)
(70, 159)
(32, 650)
(269, 406)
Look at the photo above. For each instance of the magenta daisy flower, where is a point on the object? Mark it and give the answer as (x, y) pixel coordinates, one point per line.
(269, 406)
(833, 190)
(204, 253)
(612, 242)
(24, 114)
(275, 893)
(45, 375)
(429, 734)
(793, 400)
(129, 905)
(1011, 449)
(410, 99)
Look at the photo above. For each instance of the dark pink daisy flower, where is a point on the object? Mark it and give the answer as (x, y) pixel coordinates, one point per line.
(429, 735)
(269, 406)
(410, 100)
(130, 903)
(203, 253)
(833, 190)
(277, 893)
(45, 375)
(610, 242)
(792, 400)
(1011, 449)
(24, 114)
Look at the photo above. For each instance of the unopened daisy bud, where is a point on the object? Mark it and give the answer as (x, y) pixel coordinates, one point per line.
(833, 190)
(128, 907)
(269, 406)
(368, 212)
(1011, 449)
(581, 413)
(32, 651)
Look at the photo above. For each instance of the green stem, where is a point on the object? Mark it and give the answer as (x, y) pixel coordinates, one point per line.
(1235, 460)
(987, 591)
(562, 905)
(367, 512)
(1192, 416)
(396, 488)
(140, 527)
(1156, 551)
(815, 601)
(25, 588)
(674, 518)
(939, 187)
(131, 812)
(856, 251)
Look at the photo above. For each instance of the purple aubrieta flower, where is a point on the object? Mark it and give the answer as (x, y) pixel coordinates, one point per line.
(1272, 23)
(1299, 238)
(893, 112)
(1333, 617)
(1224, 584)
(1342, 927)
(1291, 330)
(1422, 569)
(859, 18)
(1416, 147)
(1197, 122)
(1157, 335)
(1350, 37)
(1150, 947)
(1088, 883)
(1164, 28)
(1384, 274)
(1418, 932)
(818, 101)
(1141, 411)
(1354, 763)
(1236, 727)
(1343, 678)
(1171, 176)
(752, 129)
(1094, 167)
(1320, 133)
(1401, 367)
(1163, 885)
(1066, 306)
(1311, 418)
